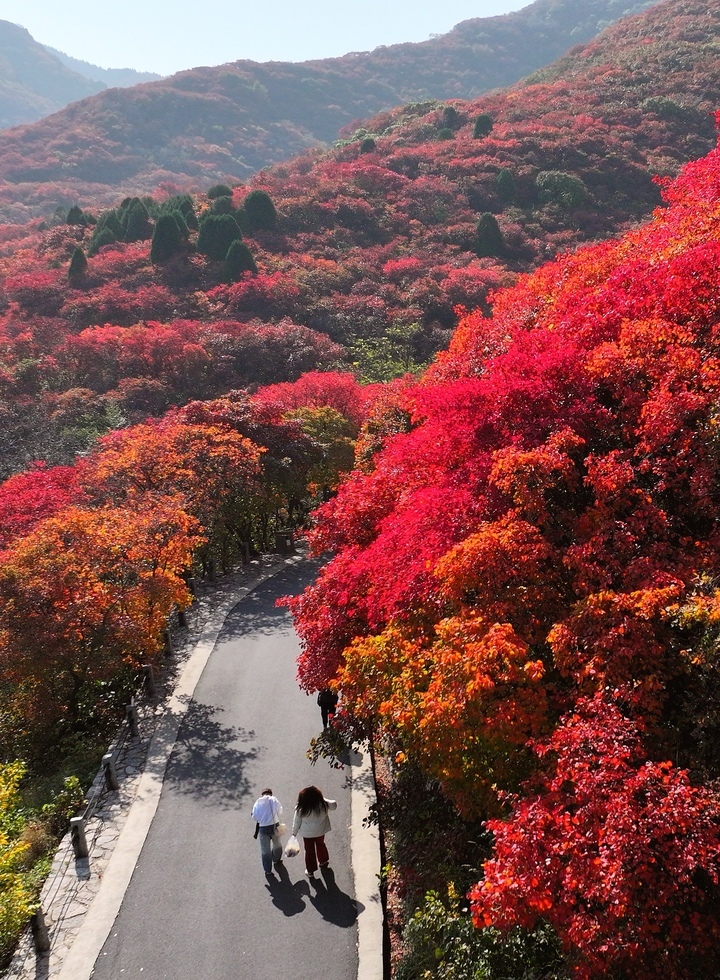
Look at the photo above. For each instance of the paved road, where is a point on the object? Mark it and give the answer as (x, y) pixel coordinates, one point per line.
(199, 906)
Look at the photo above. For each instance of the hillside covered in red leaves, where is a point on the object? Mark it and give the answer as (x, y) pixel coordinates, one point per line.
(366, 254)
(226, 122)
(523, 603)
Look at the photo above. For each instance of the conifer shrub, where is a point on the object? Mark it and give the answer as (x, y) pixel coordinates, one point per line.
(76, 216)
(483, 126)
(166, 240)
(101, 237)
(489, 238)
(78, 265)
(179, 219)
(368, 145)
(184, 204)
(136, 222)
(110, 219)
(216, 235)
(505, 186)
(450, 117)
(219, 190)
(222, 205)
(239, 259)
(259, 210)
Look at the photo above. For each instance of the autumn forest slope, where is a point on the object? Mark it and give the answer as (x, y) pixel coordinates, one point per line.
(226, 122)
(372, 246)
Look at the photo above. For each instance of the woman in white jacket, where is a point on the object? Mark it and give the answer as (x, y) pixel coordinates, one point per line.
(311, 822)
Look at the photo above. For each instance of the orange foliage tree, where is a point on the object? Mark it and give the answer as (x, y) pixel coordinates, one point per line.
(85, 593)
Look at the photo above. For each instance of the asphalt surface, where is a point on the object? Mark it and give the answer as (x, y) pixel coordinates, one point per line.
(199, 906)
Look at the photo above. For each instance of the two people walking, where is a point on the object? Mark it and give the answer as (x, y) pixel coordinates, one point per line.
(310, 821)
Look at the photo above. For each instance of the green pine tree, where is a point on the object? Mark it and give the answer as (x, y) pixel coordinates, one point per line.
(219, 190)
(489, 239)
(166, 240)
(239, 259)
(216, 235)
(505, 186)
(259, 211)
(483, 126)
(76, 216)
(136, 222)
(184, 204)
(78, 265)
(101, 237)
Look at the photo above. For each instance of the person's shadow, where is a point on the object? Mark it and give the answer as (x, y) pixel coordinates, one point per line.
(332, 903)
(286, 895)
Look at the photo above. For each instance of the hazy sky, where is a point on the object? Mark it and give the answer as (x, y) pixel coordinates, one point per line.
(168, 35)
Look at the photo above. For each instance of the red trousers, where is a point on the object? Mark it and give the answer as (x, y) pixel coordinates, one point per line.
(315, 853)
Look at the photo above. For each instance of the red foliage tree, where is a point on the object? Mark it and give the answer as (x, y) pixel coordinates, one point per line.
(620, 853)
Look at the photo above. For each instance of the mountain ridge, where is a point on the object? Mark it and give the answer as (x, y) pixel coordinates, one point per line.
(112, 77)
(227, 122)
(33, 82)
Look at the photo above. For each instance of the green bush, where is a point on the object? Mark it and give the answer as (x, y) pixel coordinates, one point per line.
(184, 204)
(166, 240)
(216, 235)
(76, 216)
(505, 186)
(239, 259)
(101, 237)
(483, 126)
(222, 205)
(259, 211)
(219, 190)
(443, 943)
(136, 222)
(562, 189)
(489, 239)
(78, 264)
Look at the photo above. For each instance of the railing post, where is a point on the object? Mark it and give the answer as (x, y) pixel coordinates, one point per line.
(167, 643)
(78, 838)
(131, 713)
(149, 680)
(109, 771)
(40, 934)
(182, 619)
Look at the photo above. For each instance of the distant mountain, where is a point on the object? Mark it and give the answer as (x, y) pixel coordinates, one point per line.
(211, 124)
(112, 77)
(33, 82)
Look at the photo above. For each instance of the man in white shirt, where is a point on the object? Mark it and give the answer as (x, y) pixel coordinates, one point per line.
(266, 814)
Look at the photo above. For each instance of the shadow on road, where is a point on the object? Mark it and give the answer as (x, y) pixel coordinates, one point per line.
(208, 762)
(286, 895)
(333, 904)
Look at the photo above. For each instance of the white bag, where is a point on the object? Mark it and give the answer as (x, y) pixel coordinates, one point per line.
(292, 848)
